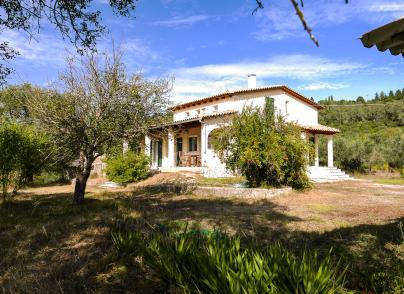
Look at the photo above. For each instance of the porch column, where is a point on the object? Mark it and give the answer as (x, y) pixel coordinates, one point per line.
(304, 137)
(170, 150)
(316, 153)
(203, 144)
(147, 142)
(125, 146)
(330, 151)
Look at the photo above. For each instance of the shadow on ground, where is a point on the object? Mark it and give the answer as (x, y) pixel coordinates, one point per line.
(53, 246)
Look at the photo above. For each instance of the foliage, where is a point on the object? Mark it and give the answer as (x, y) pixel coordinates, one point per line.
(127, 168)
(75, 20)
(100, 105)
(372, 132)
(263, 148)
(13, 106)
(215, 263)
(21, 156)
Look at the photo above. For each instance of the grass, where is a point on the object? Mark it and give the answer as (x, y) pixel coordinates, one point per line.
(52, 246)
(390, 181)
(322, 208)
(383, 178)
(221, 182)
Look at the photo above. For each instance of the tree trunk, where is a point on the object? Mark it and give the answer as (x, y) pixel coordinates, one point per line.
(83, 173)
(80, 188)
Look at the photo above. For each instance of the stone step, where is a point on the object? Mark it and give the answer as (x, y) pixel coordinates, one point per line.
(327, 174)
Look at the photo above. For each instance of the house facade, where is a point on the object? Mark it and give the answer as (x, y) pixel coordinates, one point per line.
(185, 144)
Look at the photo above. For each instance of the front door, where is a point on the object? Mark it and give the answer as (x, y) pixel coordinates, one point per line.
(179, 149)
(159, 153)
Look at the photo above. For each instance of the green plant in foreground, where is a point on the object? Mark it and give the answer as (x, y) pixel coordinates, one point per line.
(216, 263)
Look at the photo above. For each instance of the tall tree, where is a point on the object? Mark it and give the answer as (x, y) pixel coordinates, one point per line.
(100, 104)
(74, 19)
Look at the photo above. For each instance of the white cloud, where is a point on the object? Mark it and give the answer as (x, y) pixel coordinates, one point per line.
(139, 49)
(278, 20)
(44, 49)
(386, 7)
(205, 80)
(323, 86)
(181, 21)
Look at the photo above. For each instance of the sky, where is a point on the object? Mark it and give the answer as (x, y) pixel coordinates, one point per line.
(210, 46)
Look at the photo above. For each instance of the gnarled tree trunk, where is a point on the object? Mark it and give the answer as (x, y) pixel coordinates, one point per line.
(83, 173)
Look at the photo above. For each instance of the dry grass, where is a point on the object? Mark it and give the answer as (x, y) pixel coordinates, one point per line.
(53, 246)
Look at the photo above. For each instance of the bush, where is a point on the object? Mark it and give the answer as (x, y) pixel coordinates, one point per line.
(21, 156)
(127, 168)
(265, 149)
(216, 263)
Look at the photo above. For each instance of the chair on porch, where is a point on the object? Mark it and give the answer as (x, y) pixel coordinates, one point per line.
(184, 159)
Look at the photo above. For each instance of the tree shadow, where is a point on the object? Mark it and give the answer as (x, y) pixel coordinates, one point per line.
(54, 246)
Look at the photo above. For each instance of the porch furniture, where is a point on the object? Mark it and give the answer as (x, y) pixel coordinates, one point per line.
(194, 158)
(184, 159)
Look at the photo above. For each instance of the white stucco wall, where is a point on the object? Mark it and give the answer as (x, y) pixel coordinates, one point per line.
(297, 110)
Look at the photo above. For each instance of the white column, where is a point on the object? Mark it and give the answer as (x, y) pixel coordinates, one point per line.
(316, 153)
(204, 143)
(330, 151)
(125, 146)
(304, 137)
(147, 142)
(170, 150)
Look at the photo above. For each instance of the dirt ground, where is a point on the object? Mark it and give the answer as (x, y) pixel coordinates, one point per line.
(53, 246)
(327, 206)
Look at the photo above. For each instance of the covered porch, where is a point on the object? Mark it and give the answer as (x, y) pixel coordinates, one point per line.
(177, 146)
(313, 133)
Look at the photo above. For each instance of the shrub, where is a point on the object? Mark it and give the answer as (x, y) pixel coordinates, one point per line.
(127, 168)
(21, 156)
(216, 263)
(265, 149)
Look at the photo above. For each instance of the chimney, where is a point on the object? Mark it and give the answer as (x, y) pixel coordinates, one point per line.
(252, 81)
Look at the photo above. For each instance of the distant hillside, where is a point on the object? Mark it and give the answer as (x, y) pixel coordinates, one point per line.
(372, 131)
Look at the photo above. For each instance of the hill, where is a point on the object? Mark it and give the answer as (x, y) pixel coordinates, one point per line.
(372, 131)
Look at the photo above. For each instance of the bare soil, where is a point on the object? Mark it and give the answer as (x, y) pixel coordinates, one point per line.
(49, 245)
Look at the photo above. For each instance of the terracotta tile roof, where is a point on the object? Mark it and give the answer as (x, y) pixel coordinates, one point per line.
(244, 91)
(223, 113)
(197, 118)
(320, 129)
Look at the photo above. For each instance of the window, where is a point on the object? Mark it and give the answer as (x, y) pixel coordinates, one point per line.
(286, 106)
(198, 112)
(187, 114)
(210, 141)
(215, 108)
(210, 137)
(203, 110)
(192, 144)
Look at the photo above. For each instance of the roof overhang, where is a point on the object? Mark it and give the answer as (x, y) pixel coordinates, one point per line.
(389, 36)
(193, 121)
(320, 129)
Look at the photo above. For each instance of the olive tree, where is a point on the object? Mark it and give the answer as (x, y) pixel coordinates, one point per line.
(99, 105)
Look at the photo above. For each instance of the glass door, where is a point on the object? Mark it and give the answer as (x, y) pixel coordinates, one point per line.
(179, 149)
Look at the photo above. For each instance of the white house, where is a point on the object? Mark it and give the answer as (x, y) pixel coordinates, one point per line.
(185, 143)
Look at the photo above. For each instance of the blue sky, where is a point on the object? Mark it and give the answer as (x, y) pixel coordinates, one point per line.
(211, 46)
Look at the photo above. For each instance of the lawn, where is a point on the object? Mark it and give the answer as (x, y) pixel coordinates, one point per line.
(384, 178)
(49, 245)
